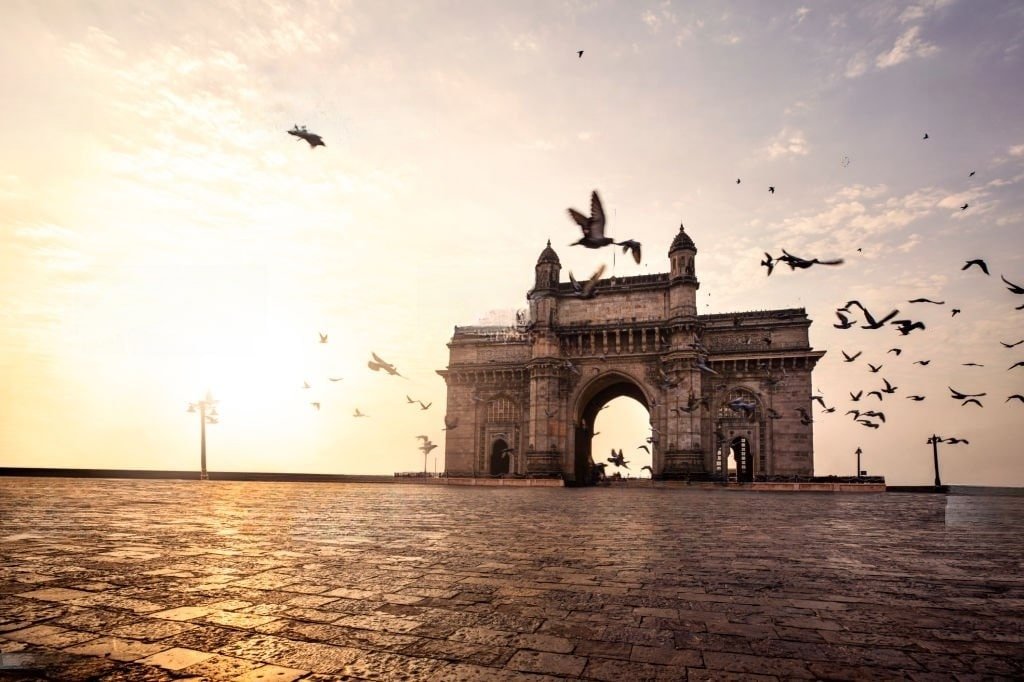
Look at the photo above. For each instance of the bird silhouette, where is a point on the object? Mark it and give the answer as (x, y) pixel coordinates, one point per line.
(633, 247)
(587, 290)
(958, 395)
(579, 54)
(907, 326)
(378, 364)
(844, 322)
(594, 226)
(964, 207)
(1011, 287)
(1016, 364)
(805, 418)
(335, 378)
(409, 400)
(877, 394)
(925, 136)
(768, 262)
(874, 368)
(313, 139)
(644, 448)
(323, 337)
(771, 190)
(855, 397)
(976, 261)
(915, 398)
(850, 358)
(971, 364)
(876, 415)
(868, 423)
(972, 400)
(897, 351)
(923, 363)
(926, 300)
(872, 323)
(954, 441)
(316, 405)
(357, 413)
(956, 311)
(795, 262)
(1015, 396)
(889, 388)
(648, 468)
(305, 384)
(971, 174)
(737, 181)
(424, 406)
(1011, 345)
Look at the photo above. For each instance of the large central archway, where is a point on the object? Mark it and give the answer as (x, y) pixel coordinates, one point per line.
(595, 395)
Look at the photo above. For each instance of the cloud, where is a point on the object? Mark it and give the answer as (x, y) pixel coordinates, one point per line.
(907, 46)
(857, 66)
(652, 20)
(801, 14)
(525, 42)
(921, 9)
(788, 142)
(1016, 150)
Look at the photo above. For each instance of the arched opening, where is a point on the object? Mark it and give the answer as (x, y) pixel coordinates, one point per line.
(740, 448)
(501, 458)
(623, 425)
(600, 392)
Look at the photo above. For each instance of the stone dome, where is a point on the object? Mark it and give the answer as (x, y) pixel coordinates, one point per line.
(682, 241)
(548, 255)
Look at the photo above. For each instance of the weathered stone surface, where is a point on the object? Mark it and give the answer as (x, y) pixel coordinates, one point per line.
(828, 587)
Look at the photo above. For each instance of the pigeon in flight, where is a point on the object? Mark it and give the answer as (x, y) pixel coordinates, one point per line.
(1011, 345)
(850, 358)
(795, 262)
(874, 368)
(377, 364)
(971, 364)
(587, 289)
(1017, 364)
(424, 407)
(632, 246)
(915, 398)
(954, 441)
(1015, 396)
(977, 261)
(855, 397)
(923, 363)
(907, 326)
(579, 54)
(644, 448)
(889, 388)
(876, 324)
(771, 189)
(844, 322)
(926, 300)
(335, 378)
(593, 228)
(737, 181)
(956, 311)
(409, 400)
(1011, 287)
(316, 405)
(925, 136)
(357, 413)
(971, 400)
(897, 351)
(768, 262)
(957, 395)
(964, 207)
(648, 468)
(323, 337)
(313, 139)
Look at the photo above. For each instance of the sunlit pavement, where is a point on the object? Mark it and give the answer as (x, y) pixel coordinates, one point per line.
(161, 580)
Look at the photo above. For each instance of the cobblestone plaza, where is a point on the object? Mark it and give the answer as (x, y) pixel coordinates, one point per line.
(161, 580)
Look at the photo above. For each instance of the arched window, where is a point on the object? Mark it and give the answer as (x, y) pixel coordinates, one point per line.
(501, 410)
(744, 396)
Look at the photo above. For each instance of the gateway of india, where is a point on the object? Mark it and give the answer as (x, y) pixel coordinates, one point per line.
(724, 391)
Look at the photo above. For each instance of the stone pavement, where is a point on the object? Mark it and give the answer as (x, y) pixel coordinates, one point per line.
(162, 580)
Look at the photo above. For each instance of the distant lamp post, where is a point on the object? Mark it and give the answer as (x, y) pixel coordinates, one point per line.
(858, 462)
(207, 409)
(934, 442)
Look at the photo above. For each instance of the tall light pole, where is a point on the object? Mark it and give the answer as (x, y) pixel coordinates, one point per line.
(934, 442)
(858, 461)
(204, 419)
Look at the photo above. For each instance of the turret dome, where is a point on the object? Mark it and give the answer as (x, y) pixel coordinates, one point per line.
(548, 255)
(682, 241)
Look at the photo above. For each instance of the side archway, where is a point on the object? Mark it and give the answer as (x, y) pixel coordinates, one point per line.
(592, 397)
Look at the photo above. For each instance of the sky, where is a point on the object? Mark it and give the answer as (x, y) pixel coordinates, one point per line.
(161, 235)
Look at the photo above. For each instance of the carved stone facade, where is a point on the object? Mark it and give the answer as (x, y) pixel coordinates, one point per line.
(537, 387)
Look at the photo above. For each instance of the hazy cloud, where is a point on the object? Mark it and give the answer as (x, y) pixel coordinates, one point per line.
(907, 46)
(788, 142)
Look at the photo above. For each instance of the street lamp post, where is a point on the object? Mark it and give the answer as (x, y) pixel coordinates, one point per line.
(204, 419)
(934, 442)
(858, 461)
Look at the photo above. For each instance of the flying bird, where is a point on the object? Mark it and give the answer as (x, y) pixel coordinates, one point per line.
(925, 136)
(972, 400)
(889, 388)
(795, 262)
(957, 395)
(316, 405)
(426, 406)
(926, 300)
(956, 311)
(737, 181)
(805, 418)
(409, 400)
(915, 398)
(976, 261)
(907, 326)
(850, 358)
(579, 54)
(357, 413)
(954, 441)
(872, 323)
(877, 394)
(313, 139)
(648, 468)
(868, 423)
(964, 207)
(874, 368)
(1011, 287)
(897, 351)
(644, 448)
(973, 364)
(323, 337)
(971, 174)
(855, 397)
(771, 190)
(1015, 396)
(632, 246)
(844, 322)
(1011, 345)
(378, 364)
(1016, 364)
(587, 290)
(593, 228)
(768, 262)
(335, 378)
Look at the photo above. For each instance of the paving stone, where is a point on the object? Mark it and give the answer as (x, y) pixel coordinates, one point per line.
(116, 648)
(175, 658)
(49, 635)
(547, 663)
(270, 673)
